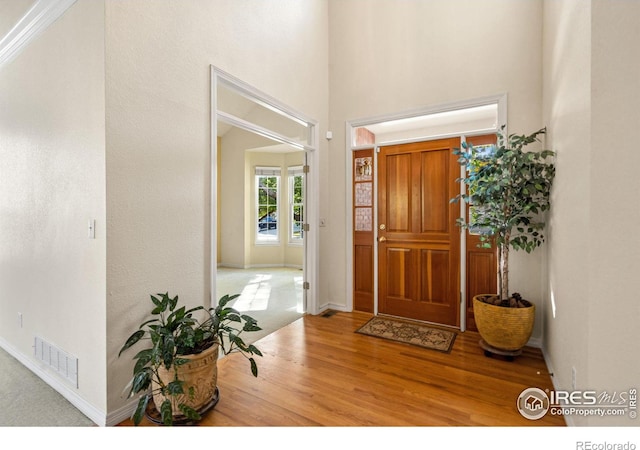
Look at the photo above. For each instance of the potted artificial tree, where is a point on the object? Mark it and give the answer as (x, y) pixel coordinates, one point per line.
(178, 370)
(508, 192)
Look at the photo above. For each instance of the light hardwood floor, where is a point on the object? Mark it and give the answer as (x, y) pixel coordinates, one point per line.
(318, 372)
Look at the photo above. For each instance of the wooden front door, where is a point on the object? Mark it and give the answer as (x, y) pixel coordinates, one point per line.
(418, 239)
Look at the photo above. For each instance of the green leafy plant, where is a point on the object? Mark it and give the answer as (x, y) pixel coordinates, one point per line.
(508, 191)
(174, 332)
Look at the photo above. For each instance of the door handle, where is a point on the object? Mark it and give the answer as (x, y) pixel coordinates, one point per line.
(382, 239)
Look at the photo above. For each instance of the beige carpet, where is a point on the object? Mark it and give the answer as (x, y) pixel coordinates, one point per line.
(408, 332)
(27, 401)
(270, 295)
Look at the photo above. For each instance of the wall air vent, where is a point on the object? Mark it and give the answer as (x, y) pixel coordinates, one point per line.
(61, 362)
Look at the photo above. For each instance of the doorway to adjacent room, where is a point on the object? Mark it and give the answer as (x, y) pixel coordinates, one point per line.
(264, 180)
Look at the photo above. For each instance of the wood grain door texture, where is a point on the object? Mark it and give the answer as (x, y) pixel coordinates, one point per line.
(363, 232)
(418, 239)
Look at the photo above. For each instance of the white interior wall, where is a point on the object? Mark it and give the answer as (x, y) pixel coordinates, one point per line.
(52, 153)
(388, 57)
(591, 95)
(614, 312)
(157, 104)
(158, 143)
(567, 112)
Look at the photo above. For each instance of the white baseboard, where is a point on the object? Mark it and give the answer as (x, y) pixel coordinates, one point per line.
(120, 415)
(258, 266)
(326, 306)
(568, 419)
(535, 342)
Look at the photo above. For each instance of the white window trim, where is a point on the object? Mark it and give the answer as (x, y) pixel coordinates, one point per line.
(261, 240)
(292, 172)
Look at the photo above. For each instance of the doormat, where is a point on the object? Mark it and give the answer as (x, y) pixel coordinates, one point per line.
(409, 333)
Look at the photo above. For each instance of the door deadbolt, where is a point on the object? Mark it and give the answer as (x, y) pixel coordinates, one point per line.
(383, 226)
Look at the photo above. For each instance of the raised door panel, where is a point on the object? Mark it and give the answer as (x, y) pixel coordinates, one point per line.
(434, 192)
(363, 279)
(419, 247)
(398, 193)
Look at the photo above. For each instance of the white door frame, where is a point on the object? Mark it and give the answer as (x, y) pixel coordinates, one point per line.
(500, 100)
(311, 210)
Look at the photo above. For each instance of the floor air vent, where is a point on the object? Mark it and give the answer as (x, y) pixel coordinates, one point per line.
(63, 363)
(329, 313)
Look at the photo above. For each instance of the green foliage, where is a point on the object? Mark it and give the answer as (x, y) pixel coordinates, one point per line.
(175, 332)
(297, 189)
(508, 190)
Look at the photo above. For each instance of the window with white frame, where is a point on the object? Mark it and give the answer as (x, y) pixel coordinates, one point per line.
(296, 204)
(267, 202)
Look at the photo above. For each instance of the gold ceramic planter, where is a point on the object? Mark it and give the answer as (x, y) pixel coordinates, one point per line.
(507, 329)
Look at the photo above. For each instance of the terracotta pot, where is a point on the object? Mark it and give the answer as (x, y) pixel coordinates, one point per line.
(501, 327)
(201, 373)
